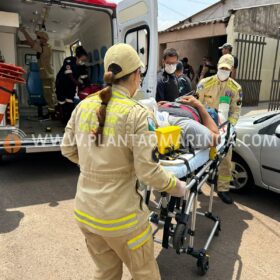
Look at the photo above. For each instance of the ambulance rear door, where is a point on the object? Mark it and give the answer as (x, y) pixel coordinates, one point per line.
(137, 26)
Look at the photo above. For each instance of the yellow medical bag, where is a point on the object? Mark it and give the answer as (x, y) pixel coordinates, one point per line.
(168, 139)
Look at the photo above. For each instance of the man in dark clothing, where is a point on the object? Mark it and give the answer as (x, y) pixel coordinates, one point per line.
(184, 83)
(188, 69)
(208, 69)
(167, 83)
(71, 77)
(227, 49)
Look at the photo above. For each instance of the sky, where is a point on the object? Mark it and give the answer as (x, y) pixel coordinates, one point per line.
(171, 12)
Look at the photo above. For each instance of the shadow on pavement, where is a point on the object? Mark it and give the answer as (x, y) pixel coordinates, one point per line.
(9, 220)
(223, 251)
(36, 179)
(261, 200)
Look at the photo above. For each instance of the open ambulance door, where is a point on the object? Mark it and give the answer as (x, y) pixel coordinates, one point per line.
(137, 26)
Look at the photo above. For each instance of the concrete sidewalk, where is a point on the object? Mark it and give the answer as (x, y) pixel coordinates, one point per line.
(39, 238)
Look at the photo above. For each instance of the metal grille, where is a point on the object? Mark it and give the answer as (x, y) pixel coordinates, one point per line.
(250, 49)
(274, 103)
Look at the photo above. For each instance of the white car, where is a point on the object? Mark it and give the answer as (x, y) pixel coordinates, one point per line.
(256, 156)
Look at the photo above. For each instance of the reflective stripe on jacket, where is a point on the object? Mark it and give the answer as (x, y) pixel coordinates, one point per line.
(211, 89)
(107, 202)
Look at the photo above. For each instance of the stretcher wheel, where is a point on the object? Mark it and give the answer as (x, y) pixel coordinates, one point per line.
(179, 236)
(203, 264)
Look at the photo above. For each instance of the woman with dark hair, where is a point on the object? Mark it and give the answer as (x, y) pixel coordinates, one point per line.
(116, 148)
(71, 77)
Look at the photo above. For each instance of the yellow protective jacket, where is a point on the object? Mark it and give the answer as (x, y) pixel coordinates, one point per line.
(106, 200)
(211, 89)
(45, 64)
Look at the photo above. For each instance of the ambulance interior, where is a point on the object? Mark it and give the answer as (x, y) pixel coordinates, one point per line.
(68, 26)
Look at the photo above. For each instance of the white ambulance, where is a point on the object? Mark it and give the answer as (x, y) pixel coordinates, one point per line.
(94, 24)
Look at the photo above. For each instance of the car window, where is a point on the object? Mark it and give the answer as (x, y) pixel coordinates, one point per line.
(138, 38)
(269, 130)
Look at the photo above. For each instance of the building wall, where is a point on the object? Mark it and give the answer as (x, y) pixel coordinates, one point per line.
(195, 32)
(260, 20)
(267, 68)
(193, 49)
(268, 59)
(222, 9)
(192, 42)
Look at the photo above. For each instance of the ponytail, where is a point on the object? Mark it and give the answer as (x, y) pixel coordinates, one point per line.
(105, 96)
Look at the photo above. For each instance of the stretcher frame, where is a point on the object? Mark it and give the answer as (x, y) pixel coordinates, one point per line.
(184, 210)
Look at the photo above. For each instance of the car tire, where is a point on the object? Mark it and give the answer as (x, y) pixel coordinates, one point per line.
(241, 173)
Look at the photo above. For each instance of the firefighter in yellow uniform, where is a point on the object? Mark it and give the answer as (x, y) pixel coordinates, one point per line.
(112, 139)
(209, 91)
(44, 56)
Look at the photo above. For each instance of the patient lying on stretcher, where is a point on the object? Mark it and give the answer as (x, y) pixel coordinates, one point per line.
(198, 128)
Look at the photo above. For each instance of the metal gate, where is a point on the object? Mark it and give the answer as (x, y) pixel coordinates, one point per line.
(250, 49)
(274, 103)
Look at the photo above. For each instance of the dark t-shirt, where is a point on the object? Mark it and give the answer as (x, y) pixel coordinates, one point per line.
(69, 66)
(188, 70)
(211, 70)
(167, 87)
(235, 62)
(65, 86)
(184, 85)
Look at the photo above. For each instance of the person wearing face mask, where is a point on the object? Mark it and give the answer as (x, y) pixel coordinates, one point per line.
(71, 78)
(227, 49)
(116, 142)
(167, 82)
(209, 91)
(44, 56)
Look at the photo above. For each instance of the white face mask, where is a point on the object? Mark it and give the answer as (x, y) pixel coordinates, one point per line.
(223, 75)
(170, 68)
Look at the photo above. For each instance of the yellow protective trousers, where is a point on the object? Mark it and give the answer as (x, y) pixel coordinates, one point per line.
(135, 250)
(225, 173)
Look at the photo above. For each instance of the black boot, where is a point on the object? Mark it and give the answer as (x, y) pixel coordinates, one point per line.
(56, 113)
(68, 109)
(225, 197)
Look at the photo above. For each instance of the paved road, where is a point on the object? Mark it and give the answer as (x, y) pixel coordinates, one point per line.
(40, 240)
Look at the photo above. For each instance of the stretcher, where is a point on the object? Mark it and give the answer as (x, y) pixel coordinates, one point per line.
(176, 217)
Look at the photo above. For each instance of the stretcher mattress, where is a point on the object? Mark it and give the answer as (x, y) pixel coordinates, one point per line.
(197, 160)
